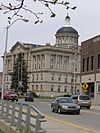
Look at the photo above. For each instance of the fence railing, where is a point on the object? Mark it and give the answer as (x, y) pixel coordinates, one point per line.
(22, 116)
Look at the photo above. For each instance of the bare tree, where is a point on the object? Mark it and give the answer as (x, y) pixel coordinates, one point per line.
(16, 7)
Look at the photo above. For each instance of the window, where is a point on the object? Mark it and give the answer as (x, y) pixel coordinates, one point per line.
(41, 87)
(59, 88)
(7, 78)
(32, 87)
(35, 66)
(83, 65)
(66, 60)
(59, 77)
(52, 76)
(65, 78)
(84, 97)
(33, 77)
(52, 87)
(59, 62)
(52, 61)
(74, 97)
(88, 64)
(65, 89)
(37, 87)
(37, 76)
(99, 61)
(72, 79)
(92, 57)
(98, 87)
(41, 76)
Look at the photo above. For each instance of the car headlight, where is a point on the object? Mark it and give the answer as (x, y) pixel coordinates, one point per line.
(78, 107)
(65, 107)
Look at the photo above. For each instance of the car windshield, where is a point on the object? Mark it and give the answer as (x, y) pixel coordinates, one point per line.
(65, 100)
(84, 98)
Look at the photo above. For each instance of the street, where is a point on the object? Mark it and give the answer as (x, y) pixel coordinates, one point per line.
(87, 121)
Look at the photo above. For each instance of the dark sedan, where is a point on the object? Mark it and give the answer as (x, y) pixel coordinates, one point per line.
(65, 104)
(29, 97)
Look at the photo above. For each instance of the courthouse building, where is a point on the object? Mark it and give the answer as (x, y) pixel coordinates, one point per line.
(52, 69)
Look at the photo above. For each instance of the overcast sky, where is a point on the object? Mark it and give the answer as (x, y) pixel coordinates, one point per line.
(85, 19)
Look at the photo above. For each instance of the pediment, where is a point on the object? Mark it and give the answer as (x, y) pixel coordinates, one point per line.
(18, 47)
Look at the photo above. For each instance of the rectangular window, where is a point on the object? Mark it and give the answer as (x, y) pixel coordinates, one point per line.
(52, 61)
(59, 77)
(65, 89)
(72, 78)
(33, 78)
(41, 87)
(83, 65)
(88, 64)
(98, 87)
(7, 78)
(92, 59)
(59, 88)
(37, 76)
(52, 76)
(41, 76)
(99, 61)
(52, 87)
(65, 62)
(66, 78)
(32, 87)
(36, 87)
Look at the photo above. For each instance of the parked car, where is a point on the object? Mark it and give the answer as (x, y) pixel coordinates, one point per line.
(65, 104)
(29, 97)
(82, 100)
(10, 95)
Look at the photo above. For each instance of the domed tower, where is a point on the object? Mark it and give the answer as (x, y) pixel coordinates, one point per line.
(67, 36)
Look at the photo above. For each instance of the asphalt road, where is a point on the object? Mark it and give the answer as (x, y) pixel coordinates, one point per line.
(88, 121)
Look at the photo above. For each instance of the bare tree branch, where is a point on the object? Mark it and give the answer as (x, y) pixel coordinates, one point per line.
(15, 9)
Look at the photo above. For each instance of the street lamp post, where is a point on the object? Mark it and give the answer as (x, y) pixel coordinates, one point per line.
(5, 53)
(75, 48)
(75, 66)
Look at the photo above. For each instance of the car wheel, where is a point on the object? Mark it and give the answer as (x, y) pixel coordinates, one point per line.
(52, 109)
(78, 112)
(33, 100)
(16, 100)
(59, 110)
(25, 99)
(88, 107)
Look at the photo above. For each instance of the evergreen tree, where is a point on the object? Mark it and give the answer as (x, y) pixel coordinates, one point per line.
(20, 75)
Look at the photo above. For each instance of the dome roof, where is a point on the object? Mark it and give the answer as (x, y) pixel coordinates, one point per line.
(67, 30)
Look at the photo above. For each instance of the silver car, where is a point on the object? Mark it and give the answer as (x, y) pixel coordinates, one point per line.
(65, 104)
(82, 100)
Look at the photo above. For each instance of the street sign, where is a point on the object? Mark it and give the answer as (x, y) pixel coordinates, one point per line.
(85, 87)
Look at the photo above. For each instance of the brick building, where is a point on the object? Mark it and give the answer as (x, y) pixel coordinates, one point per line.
(90, 67)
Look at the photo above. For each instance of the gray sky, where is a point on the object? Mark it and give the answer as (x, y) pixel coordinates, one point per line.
(85, 19)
